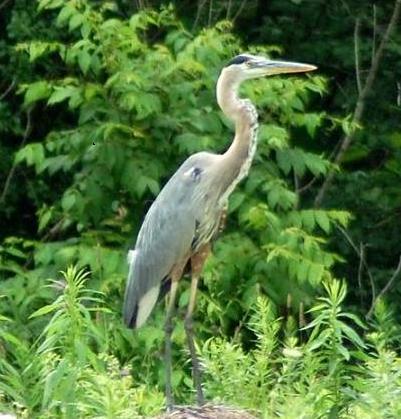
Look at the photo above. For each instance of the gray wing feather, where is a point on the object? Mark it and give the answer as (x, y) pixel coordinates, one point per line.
(164, 239)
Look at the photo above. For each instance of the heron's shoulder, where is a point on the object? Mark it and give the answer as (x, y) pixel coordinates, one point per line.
(185, 181)
(201, 159)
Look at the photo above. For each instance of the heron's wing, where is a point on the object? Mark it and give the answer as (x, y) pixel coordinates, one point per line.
(164, 240)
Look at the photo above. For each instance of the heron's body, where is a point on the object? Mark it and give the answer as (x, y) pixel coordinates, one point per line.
(187, 213)
(170, 234)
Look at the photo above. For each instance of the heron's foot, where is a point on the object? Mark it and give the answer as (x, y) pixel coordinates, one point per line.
(169, 391)
(169, 367)
(170, 406)
(196, 368)
(169, 394)
(200, 398)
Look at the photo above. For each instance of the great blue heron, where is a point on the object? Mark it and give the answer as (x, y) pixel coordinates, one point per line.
(190, 209)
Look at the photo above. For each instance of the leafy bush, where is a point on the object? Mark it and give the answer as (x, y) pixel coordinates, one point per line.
(70, 370)
(140, 98)
(317, 378)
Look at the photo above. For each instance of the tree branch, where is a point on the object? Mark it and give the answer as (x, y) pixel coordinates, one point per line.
(209, 19)
(385, 289)
(360, 267)
(4, 4)
(356, 54)
(304, 188)
(239, 11)
(201, 4)
(296, 187)
(228, 12)
(8, 90)
(361, 101)
(27, 131)
(374, 31)
(362, 262)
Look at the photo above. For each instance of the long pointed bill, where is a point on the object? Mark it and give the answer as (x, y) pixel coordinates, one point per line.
(269, 67)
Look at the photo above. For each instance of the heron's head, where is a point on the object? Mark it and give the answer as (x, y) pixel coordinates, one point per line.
(246, 66)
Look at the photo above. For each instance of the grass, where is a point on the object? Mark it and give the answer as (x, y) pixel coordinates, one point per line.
(76, 368)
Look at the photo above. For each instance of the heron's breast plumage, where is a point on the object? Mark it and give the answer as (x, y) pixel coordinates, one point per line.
(240, 162)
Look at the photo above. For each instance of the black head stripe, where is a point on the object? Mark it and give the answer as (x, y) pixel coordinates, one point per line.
(239, 59)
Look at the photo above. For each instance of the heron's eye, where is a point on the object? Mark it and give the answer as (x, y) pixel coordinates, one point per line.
(196, 173)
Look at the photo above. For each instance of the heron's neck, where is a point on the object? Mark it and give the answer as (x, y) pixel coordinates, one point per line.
(238, 158)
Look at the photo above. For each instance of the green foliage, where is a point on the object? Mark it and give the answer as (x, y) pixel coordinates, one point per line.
(67, 371)
(139, 107)
(313, 379)
(70, 371)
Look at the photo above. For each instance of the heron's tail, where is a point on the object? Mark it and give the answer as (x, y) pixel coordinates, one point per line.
(138, 300)
(130, 306)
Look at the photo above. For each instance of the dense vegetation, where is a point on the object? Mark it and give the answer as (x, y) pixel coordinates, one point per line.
(297, 314)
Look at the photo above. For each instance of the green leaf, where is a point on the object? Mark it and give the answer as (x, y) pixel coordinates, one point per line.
(275, 136)
(298, 161)
(65, 13)
(352, 335)
(76, 20)
(84, 61)
(292, 268)
(283, 161)
(308, 219)
(33, 154)
(342, 217)
(312, 121)
(50, 4)
(76, 99)
(68, 201)
(315, 273)
(274, 197)
(44, 219)
(86, 29)
(36, 49)
(61, 93)
(323, 220)
(321, 339)
(36, 91)
(188, 142)
(302, 270)
(344, 352)
(4, 319)
(354, 318)
(236, 199)
(50, 308)
(53, 380)
(153, 186)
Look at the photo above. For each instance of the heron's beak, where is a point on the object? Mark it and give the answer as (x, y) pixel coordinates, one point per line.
(270, 67)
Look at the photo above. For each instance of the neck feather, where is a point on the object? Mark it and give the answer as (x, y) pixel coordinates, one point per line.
(238, 158)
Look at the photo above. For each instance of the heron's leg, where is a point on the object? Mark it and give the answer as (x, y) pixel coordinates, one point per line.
(223, 219)
(188, 324)
(167, 354)
(197, 262)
